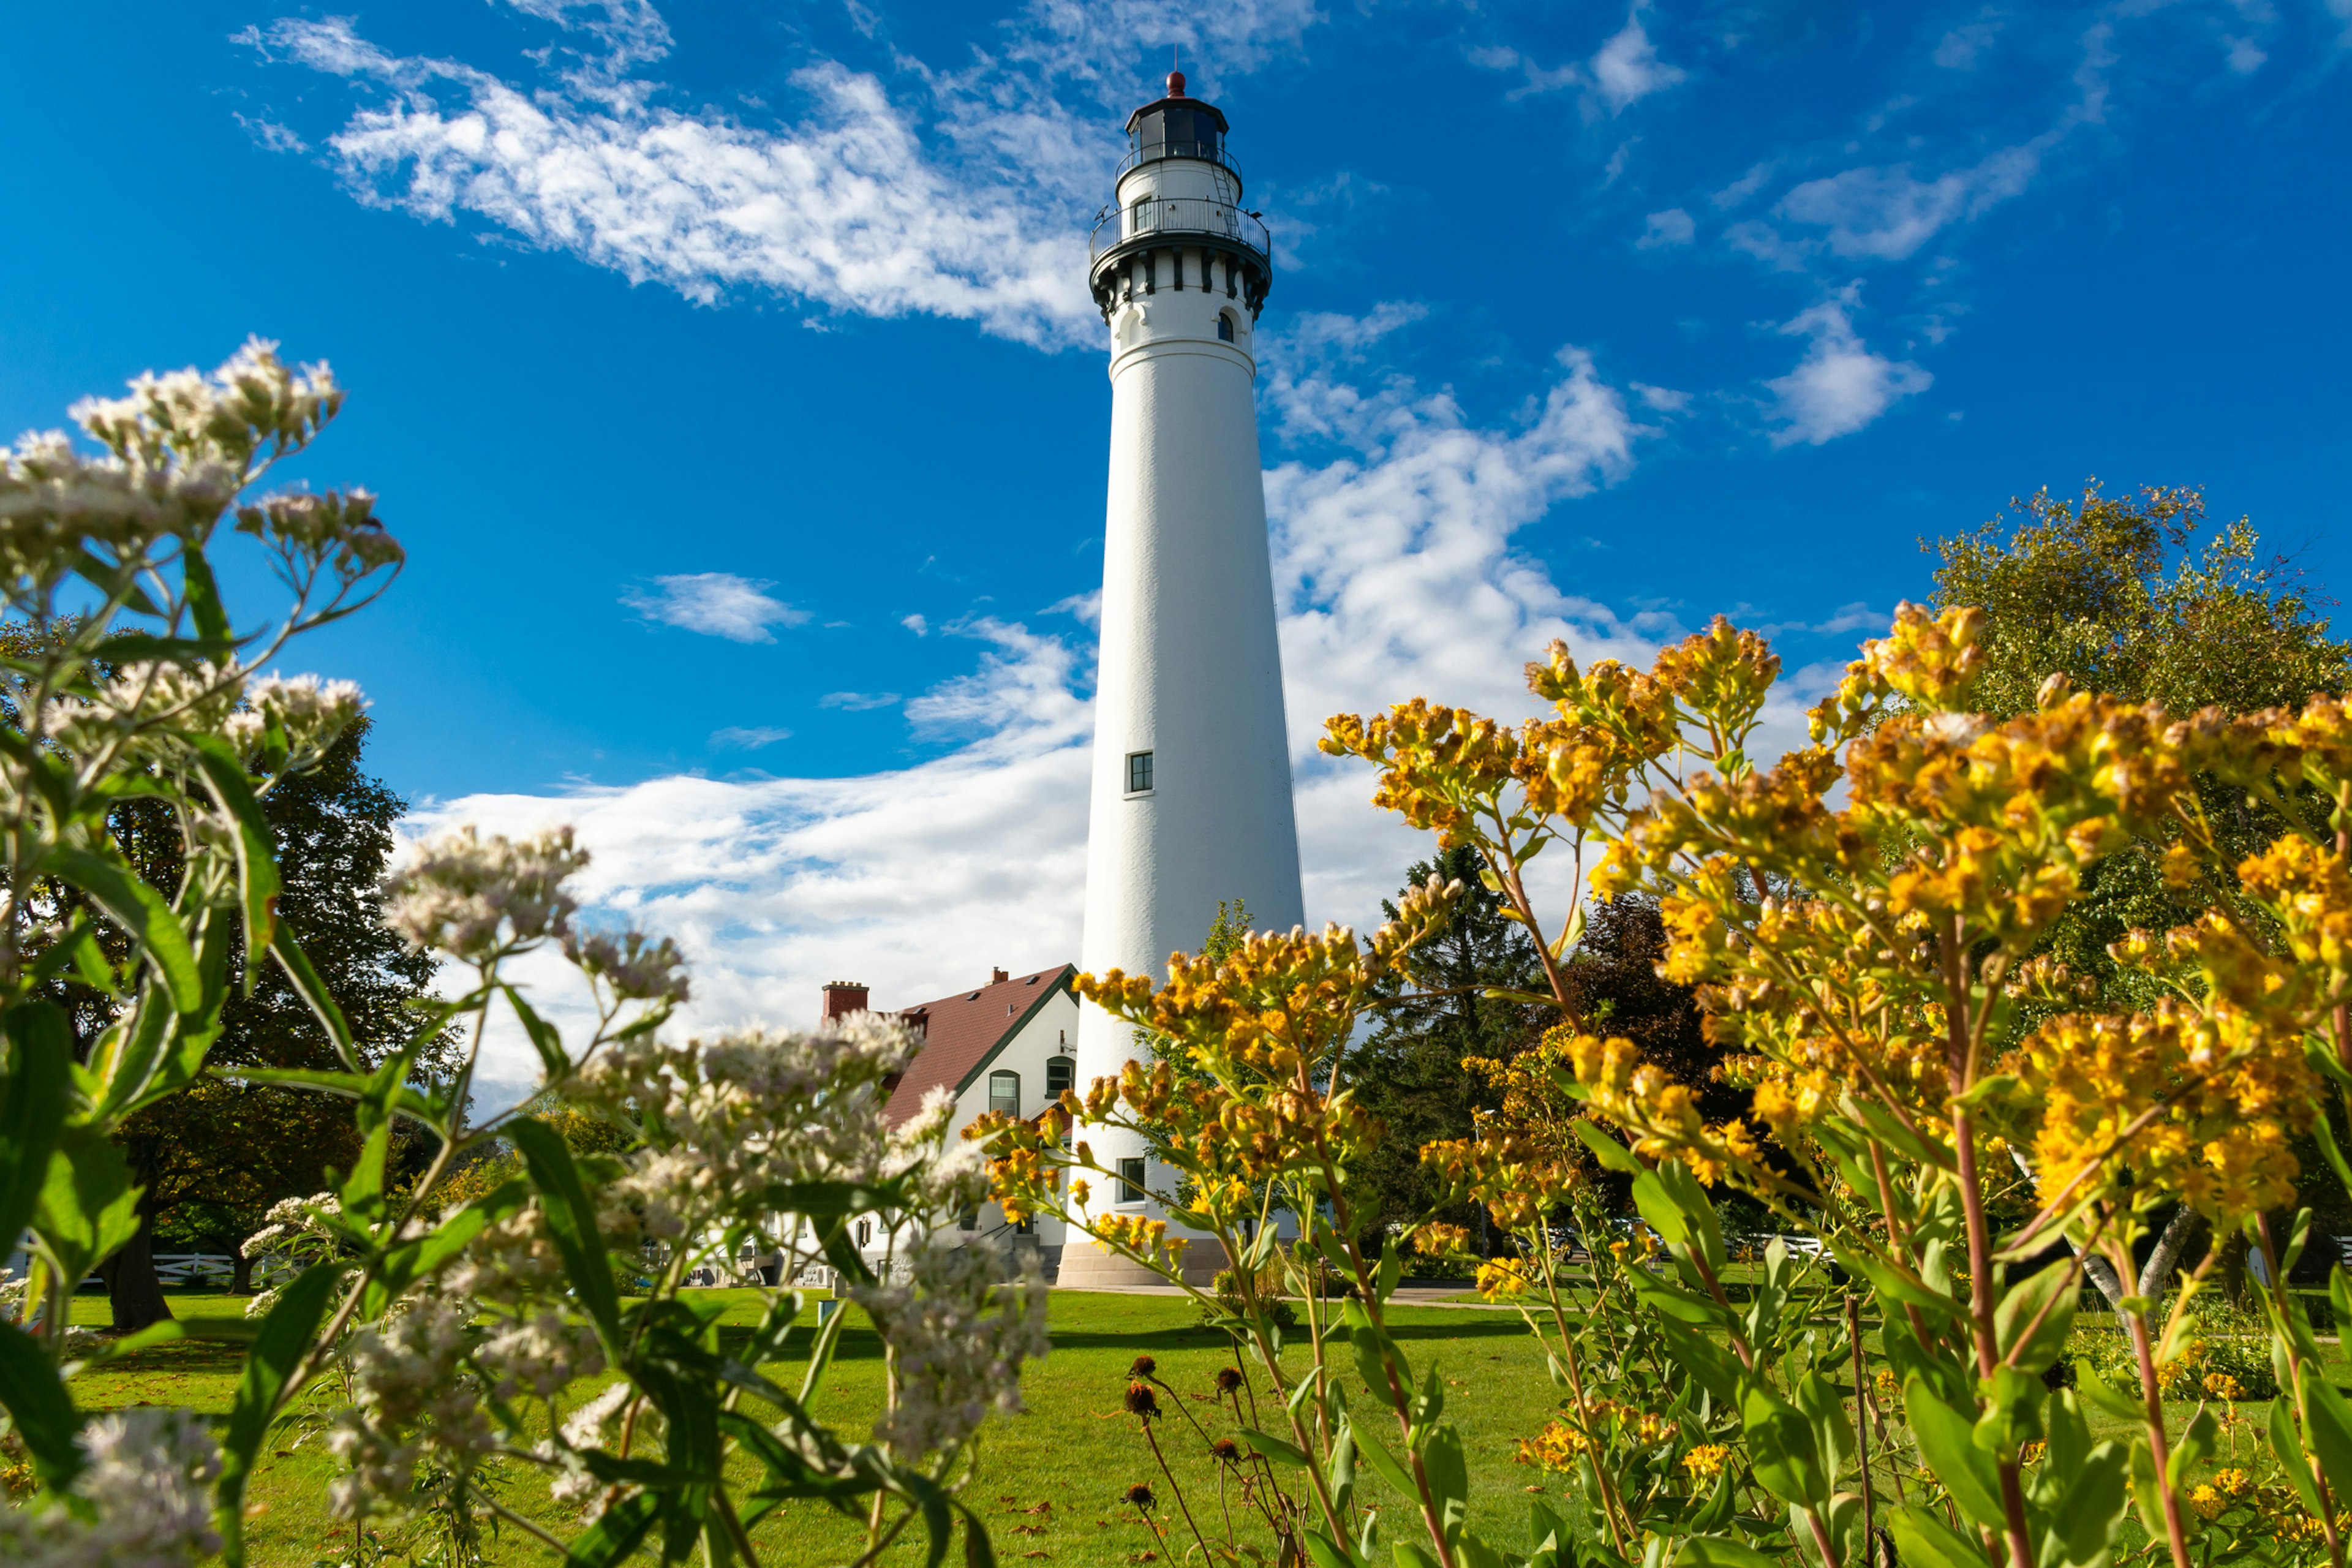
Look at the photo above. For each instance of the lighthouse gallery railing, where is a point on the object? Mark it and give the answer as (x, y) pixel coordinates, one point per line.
(1173, 215)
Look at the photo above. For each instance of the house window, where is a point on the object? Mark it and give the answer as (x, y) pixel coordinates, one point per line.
(1061, 1073)
(1131, 1180)
(1224, 326)
(865, 1233)
(1005, 1093)
(1138, 772)
(969, 1219)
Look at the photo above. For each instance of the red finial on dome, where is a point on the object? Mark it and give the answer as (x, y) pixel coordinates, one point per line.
(1175, 84)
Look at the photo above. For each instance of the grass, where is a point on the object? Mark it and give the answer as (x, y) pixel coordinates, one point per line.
(1052, 1480)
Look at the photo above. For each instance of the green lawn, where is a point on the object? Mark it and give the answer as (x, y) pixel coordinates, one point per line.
(1051, 1480)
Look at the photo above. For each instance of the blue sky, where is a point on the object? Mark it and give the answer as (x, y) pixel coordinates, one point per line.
(730, 374)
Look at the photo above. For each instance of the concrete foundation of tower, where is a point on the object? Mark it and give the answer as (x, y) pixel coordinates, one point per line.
(1086, 1266)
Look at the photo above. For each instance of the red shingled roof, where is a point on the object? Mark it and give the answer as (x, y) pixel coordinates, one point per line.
(962, 1031)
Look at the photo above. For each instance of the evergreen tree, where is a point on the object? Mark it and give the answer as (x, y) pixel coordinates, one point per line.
(1408, 1071)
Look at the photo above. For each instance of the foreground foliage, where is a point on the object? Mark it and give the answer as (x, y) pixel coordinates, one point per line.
(1956, 1121)
(427, 1340)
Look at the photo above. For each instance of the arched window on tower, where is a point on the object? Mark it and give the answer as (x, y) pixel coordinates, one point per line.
(1224, 326)
(1005, 1093)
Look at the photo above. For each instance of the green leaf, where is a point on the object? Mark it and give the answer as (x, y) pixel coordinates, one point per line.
(313, 991)
(1375, 1353)
(1384, 1464)
(1391, 1268)
(2092, 1506)
(2327, 1423)
(2146, 1496)
(88, 1208)
(615, 1536)
(2110, 1400)
(412, 1259)
(545, 1038)
(1701, 1225)
(1728, 1552)
(2286, 1446)
(571, 1219)
(39, 1406)
(1924, 1541)
(1409, 1555)
(203, 596)
(2195, 1445)
(2048, 1297)
(277, 1351)
(1946, 1441)
(1893, 1289)
(1268, 1445)
(1833, 1430)
(33, 1099)
(1447, 1468)
(1709, 1364)
(257, 848)
(139, 910)
(1611, 1154)
(1781, 1448)
(1323, 1554)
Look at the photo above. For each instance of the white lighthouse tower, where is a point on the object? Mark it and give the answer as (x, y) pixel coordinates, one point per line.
(1191, 770)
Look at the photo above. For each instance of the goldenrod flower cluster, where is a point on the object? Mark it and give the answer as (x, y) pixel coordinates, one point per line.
(1707, 1460)
(1561, 1443)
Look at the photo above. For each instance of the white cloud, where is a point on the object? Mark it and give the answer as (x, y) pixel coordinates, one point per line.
(1664, 399)
(1628, 69)
(1839, 385)
(1963, 46)
(917, 625)
(717, 604)
(1396, 573)
(858, 701)
(1623, 72)
(1887, 213)
(960, 194)
(1672, 226)
(738, 738)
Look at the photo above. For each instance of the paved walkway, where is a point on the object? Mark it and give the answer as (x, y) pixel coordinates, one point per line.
(1406, 1296)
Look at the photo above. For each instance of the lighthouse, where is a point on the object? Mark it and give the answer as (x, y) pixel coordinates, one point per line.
(1191, 801)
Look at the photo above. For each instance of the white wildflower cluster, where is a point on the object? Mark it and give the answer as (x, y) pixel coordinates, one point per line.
(141, 698)
(634, 966)
(477, 898)
(511, 1260)
(411, 1395)
(729, 1121)
(145, 1491)
(595, 1425)
(537, 1354)
(309, 713)
(952, 1358)
(293, 1236)
(254, 401)
(335, 528)
(178, 448)
(57, 505)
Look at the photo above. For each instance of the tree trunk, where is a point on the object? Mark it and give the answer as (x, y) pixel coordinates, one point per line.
(131, 1287)
(2177, 1233)
(240, 1270)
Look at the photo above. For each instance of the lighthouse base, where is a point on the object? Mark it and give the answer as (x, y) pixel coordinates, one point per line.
(1086, 1266)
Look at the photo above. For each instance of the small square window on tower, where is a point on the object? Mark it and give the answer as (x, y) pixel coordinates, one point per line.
(1224, 326)
(1131, 1180)
(1138, 772)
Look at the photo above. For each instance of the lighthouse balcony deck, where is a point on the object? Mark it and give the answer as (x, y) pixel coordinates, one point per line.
(1170, 217)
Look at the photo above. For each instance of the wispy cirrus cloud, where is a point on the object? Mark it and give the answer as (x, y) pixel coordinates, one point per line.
(955, 193)
(716, 603)
(858, 701)
(1626, 68)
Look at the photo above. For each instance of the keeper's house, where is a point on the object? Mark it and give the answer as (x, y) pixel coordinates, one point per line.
(1009, 1046)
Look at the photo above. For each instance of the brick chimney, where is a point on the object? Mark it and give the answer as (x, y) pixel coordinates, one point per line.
(998, 977)
(843, 997)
